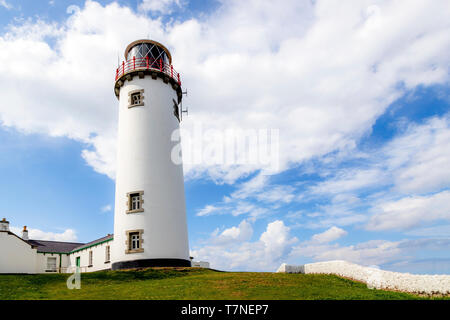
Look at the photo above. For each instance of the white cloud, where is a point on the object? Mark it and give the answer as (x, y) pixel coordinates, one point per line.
(106, 208)
(329, 235)
(421, 157)
(277, 240)
(400, 183)
(321, 73)
(239, 202)
(319, 248)
(207, 210)
(410, 212)
(5, 4)
(349, 180)
(243, 232)
(438, 231)
(69, 235)
(236, 253)
(277, 194)
(276, 245)
(374, 252)
(160, 6)
(250, 187)
(48, 84)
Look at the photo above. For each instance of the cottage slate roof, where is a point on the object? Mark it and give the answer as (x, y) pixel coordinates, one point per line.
(60, 246)
(89, 244)
(54, 246)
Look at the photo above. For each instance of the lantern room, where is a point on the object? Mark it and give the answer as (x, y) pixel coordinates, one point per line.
(141, 49)
(147, 57)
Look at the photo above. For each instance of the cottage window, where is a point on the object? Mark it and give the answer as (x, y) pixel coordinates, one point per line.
(107, 253)
(90, 258)
(51, 264)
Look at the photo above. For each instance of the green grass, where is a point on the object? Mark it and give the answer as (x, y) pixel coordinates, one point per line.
(189, 283)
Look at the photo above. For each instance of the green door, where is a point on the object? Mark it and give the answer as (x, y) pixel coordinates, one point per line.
(78, 262)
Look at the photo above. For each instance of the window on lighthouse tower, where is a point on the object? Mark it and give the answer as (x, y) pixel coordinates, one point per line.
(135, 202)
(136, 98)
(134, 241)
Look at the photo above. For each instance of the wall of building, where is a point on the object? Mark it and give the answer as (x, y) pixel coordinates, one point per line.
(62, 261)
(200, 264)
(16, 256)
(98, 258)
(144, 164)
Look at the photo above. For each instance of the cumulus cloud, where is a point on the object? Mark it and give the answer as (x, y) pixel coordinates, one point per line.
(337, 69)
(329, 235)
(160, 6)
(410, 212)
(321, 72)
(231, 250)
(63, 89)
(242, 232)
(5, 4)
(276, 245)
(277, 240)
(373, 252)
(391, 254)
(69, 235)
(421, 157)
(398, 185)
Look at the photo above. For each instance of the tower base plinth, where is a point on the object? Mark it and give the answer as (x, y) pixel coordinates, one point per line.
(145, 263)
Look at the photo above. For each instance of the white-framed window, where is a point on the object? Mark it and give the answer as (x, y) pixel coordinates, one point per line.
(107, 253)
(90, 258)
(176, 110)
(51, 263)
(135, 201)
(134, 241)
(136, 98)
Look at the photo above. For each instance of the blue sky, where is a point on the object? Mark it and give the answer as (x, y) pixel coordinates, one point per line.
(359, 93)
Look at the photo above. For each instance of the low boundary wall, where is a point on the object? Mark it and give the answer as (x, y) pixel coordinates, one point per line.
(376, 278)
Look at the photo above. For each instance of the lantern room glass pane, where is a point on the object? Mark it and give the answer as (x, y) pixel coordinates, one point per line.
(150, 50)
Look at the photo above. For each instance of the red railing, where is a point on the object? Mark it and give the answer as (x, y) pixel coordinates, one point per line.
(147, 64)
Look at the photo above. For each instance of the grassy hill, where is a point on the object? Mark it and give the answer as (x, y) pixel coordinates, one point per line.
(189, 283)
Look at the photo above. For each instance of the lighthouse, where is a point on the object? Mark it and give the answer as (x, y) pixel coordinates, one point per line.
(150, 227)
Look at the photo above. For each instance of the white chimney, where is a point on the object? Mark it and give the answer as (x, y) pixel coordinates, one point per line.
(4, 225)
(25, 233)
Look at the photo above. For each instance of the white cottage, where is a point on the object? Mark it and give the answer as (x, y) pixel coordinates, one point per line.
(23, 255)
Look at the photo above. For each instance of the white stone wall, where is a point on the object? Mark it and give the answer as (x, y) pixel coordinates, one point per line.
(376, 278)
(98, 258)
(16, 256)
(200, 264)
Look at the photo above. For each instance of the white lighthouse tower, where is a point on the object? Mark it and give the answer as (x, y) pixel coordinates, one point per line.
(150, 215)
